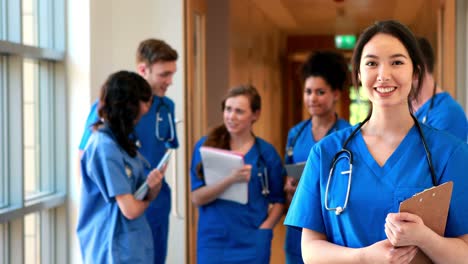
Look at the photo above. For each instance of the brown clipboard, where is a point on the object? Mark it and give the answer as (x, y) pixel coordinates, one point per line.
(432, 205)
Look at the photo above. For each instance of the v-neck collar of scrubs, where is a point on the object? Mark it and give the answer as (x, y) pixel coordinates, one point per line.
(332, 129)
(251, 150)
(406, 145)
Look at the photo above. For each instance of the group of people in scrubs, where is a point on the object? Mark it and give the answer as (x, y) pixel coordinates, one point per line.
(112, 227)
(344, 208)
(347, 201)
(153, 133)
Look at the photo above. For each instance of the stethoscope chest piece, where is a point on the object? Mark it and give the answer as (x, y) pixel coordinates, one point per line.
(289, 151)
(338, 210)
(264, 181)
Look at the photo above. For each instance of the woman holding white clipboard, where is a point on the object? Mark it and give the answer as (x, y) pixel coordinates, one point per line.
(228, 231)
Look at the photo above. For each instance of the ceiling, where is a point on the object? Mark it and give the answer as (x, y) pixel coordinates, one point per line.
(317, 17)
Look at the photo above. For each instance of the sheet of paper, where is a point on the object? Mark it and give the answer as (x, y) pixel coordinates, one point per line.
(295, 170)
(219, 163)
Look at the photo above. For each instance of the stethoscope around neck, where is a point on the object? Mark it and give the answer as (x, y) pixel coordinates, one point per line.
(290, 148)
(159, 119)
(262, 170)
(347, 154)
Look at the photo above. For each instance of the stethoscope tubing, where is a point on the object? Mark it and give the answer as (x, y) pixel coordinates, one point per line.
(263, 176)
(169, 120)
(290, 148)
(338, 210)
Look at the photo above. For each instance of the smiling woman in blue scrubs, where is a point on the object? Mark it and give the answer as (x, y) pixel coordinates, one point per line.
(112, 227)
(389, 164)
(230, 232)
(325, 75)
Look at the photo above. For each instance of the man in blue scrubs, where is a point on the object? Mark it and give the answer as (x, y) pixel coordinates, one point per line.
(156, 131)
(436, 107)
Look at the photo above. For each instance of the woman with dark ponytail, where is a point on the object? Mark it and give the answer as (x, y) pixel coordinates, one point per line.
(112, 227)
(230, 232)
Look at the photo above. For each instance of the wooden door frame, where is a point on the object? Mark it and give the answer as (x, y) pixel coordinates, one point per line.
(195, 104)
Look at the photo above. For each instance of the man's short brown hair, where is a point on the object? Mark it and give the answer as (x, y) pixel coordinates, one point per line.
(151, 51)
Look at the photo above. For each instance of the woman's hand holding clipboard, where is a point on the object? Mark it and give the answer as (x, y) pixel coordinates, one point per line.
(142, 191)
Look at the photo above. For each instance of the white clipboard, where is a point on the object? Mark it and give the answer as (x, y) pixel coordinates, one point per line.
(143, 190)
(219, 163)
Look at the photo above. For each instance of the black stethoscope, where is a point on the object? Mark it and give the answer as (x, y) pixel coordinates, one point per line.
(262, 170)
(347, 154)
(159, 119)
(290, 148)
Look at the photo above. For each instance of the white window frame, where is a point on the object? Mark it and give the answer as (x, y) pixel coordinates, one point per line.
(3, 135)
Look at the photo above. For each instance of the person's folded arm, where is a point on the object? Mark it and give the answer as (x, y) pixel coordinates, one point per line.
(208, 193)
(130, 207)
(274, 215)
(316, 249)
(408, 229)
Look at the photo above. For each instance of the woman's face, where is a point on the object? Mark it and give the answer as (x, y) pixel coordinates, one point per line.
(386, 71)
(319, 98)
(238, 116)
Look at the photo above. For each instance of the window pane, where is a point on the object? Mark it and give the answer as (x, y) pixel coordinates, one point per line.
(359, 106)
(30, 22)
(2, 21)
(31, 142)
(32, 238)
(3, 127)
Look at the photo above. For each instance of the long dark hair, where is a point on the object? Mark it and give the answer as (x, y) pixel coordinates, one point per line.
(219, 136)
(119, 106)
(406, 37)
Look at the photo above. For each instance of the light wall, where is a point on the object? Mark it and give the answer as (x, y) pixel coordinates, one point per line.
(102, 38)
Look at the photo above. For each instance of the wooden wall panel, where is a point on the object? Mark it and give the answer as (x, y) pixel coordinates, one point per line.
(256, 46)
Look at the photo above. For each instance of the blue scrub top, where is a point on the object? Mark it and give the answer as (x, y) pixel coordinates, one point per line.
(228, 232)
(153, 150)
(105, 234)
(375, 190)
(302, 134)
(446, 114)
